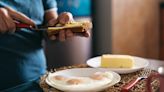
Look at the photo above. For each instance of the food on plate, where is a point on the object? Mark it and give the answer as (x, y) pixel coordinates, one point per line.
(74, 81)
(96, 79)
(117, 61)
(100, 75)
(80, 26)
(58, 77)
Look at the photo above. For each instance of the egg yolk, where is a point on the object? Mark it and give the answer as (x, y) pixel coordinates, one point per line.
(74, 81)
(58, 77)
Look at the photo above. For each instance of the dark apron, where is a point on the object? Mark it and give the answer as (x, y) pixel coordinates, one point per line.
(31, 86)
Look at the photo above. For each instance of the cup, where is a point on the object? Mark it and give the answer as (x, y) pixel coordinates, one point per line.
(160, 75)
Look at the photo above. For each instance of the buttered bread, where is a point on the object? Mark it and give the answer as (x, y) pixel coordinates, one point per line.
(77, 27)
(117, 61)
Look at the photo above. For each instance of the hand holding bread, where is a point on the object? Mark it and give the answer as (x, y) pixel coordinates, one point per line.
(65, 27)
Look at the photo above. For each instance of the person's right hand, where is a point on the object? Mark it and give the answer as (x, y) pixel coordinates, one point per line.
(7, 18)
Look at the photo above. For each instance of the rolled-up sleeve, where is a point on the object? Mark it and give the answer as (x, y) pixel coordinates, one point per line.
(50, 5)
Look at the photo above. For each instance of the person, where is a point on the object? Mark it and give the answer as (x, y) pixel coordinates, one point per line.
(22, 59)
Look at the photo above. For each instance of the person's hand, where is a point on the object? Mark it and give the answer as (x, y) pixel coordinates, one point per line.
(7, 18)
(64, 18)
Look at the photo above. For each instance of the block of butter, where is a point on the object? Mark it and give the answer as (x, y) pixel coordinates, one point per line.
(117, 61)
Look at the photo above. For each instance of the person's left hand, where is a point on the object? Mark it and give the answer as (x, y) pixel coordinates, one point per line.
(64, 18)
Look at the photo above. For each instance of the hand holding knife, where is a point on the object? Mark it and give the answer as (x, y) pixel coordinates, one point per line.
(52, 30)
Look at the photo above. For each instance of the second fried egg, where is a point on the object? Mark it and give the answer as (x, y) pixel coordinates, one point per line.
(96, 79)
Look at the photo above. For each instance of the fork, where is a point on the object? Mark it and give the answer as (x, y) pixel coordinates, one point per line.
(143, 75)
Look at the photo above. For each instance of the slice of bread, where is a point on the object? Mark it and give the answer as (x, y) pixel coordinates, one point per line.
(74, 26)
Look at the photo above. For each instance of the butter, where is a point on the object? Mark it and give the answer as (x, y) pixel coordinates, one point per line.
(117, 61)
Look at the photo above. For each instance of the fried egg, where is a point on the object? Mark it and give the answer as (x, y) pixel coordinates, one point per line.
(96, 79)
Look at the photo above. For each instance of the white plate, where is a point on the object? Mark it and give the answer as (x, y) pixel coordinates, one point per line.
(82, 72)
(139, 63)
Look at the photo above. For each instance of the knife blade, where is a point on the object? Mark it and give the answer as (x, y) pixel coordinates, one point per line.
(78, 27)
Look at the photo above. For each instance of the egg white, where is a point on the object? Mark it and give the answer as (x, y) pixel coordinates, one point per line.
(87, 82)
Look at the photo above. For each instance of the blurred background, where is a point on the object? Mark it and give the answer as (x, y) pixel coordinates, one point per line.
(133, 27)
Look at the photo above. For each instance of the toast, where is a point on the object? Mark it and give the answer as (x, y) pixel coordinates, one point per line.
(77, 27)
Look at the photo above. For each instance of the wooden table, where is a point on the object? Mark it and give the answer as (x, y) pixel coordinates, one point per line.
(125, 79)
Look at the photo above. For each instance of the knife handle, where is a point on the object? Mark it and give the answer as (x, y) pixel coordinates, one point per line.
(22, 25)
(126, 88)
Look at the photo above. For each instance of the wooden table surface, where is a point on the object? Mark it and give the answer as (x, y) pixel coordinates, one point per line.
(153, 64)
